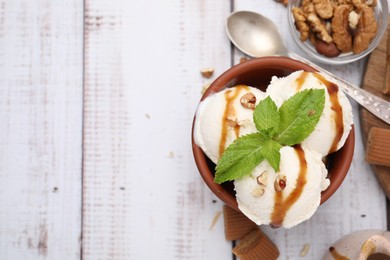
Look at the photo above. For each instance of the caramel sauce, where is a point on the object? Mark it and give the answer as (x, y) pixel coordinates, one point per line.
(301, 79)
(282, 205)
(230, 96)
(336, 107)
(336, 254)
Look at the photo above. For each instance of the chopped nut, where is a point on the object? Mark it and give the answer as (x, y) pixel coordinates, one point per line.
(262, 178)
(205, 87)
(284, 2)
(366, 29)
(280, 183)
(248, 100)
(258, 191)
(323, 8)
(366, 2)
(319, 28)
(243, 59)
(300, 23)
(353, 19)
(232, 121)
(340, 27)
(207, 72)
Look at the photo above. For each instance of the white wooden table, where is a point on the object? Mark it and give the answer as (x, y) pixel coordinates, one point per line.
(96, 104)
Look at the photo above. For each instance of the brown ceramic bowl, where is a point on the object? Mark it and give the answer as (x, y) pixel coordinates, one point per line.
(258, 73)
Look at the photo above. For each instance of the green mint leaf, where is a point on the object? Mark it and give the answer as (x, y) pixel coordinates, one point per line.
(270, 151)
(266, 117)
(240, 158)
(299, 115)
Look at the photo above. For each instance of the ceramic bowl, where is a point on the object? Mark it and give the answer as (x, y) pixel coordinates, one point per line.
(258, 73)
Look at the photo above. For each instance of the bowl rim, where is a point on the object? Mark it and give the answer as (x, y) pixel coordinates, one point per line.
(345, 58)
(220, 83)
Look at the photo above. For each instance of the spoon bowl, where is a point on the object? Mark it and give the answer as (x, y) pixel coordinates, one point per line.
(257, 36)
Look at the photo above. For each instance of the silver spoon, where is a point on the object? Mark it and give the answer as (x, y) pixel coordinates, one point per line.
(257, 36)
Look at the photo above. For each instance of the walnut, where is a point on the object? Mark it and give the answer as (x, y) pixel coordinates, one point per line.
(248, 100)
(345, 2)
(232, 121)
(366, 2)
(300, 23)
(319, 28)
(307, 6)
(323, 8)
(340, 28)
(366, 29)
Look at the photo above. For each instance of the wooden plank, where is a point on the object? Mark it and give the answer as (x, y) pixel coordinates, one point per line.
(40, 134)
(359, 203)
(143, 197)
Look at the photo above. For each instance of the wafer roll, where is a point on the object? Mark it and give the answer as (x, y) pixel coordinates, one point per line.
(256, 246)
(237, 225)
(378, 146)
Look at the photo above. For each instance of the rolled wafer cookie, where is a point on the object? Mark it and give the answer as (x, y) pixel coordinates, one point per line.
(237, 225)
(378, 146)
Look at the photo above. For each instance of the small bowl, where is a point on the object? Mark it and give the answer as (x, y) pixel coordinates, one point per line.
(381, 13)
(258, 73)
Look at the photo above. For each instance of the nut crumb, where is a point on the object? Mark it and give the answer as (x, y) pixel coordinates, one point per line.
(258, 191)
(262, 178)
(305, 250)
(280, 183)
(207, 72)
(205, 87)
(243, 59)
(284, 2)
(248, 100)
(215, 220)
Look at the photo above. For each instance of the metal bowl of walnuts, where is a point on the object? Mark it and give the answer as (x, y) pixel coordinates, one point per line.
(337, 31)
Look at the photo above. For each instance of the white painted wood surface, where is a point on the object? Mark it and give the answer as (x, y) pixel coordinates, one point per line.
(130, 186)
(41, 128)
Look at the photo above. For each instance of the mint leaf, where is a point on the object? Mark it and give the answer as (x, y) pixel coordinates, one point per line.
(270, 151)
(240, 158)
(266, 117)
(299, 115)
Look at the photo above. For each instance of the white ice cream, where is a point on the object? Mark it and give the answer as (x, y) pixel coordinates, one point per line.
(258, 200)
(223, 111)
(326, 132)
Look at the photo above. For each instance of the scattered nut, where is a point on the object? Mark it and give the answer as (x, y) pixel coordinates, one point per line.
(232, 121)
(248, 100)
(258, 191)
(207, 72)
(205, 87)
(243, 59)
(323, 8)
(305, 250)
(318, 28)
(262, 178)
(280, 183)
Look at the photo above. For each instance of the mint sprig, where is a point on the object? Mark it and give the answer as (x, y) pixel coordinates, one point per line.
(289, 125)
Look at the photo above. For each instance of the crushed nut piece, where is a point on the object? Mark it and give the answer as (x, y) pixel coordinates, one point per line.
(262, 178)
(284, 2)
(300, 23)
(319, 28)
(366, 29)
(205, 87)
(353, 19)
(243, 59)
(248, 100)
(258, 191)
(232, 121)
(207, 72)
(305, 250)
(323, 8)
(340, 27)
(280, 183)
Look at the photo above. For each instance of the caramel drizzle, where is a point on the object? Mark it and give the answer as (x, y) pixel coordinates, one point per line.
(282, 205)
(301, 79)
(230, 96)
(336, 107)
(336, 255)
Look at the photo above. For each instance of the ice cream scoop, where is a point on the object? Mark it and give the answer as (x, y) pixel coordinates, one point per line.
(287, 197)
(223, 117)
(336, 120)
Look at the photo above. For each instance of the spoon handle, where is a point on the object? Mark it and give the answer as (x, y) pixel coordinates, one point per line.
(376, 105)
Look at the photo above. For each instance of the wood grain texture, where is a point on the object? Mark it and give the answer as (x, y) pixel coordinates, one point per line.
(373, 81)
(143, 197)
(359, 203)
(40, 133)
